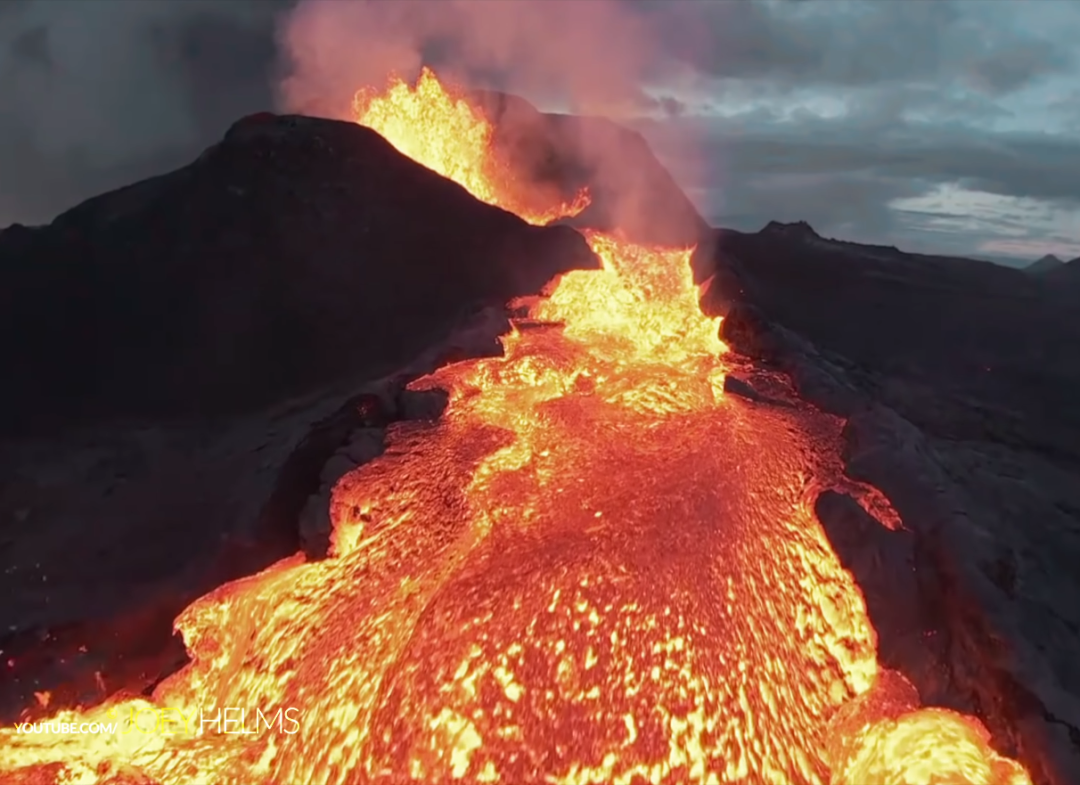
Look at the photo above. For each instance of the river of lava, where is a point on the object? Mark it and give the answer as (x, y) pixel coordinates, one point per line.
(595, 567)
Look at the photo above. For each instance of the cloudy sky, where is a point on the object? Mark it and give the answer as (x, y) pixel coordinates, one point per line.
(934, 125)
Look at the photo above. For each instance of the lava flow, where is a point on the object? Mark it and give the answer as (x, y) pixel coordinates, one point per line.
(593, 568)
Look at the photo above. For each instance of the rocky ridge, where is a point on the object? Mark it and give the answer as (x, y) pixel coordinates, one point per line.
(1044, 265)
(259, 271)
(961, 417)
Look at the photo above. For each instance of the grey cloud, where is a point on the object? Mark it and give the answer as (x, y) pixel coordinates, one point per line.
(1067, 105)
(96, 93)
(841, 180)
(32, 47)
(225, 67)
(821, 42)
(1013, 65)
(1012, 164)
(848, 205)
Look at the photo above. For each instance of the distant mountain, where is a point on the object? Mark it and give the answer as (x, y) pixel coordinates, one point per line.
(1066, 271)
(1044, 265)
(803, 234)
(797, 229)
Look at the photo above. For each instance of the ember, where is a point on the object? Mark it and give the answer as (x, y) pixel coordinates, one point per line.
(594, 568)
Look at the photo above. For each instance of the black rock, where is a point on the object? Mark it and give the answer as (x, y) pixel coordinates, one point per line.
(1067, 273)
(294, 253)
(978, 338)
(794, 230)
(422, 404)
(746, 330)
(737, 386)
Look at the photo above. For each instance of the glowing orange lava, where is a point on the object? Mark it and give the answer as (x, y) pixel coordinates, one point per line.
(594, 568)
(441, 130)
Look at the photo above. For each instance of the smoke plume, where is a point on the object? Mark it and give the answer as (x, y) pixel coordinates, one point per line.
(592, 57)
(587, 56)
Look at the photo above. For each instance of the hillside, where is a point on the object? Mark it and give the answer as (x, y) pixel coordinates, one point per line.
(294, 253)
(1046, 264)
(958, 381)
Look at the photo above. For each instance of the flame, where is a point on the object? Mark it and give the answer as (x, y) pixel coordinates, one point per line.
(594, 568)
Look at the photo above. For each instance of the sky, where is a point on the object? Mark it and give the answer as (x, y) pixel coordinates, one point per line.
(938, 126)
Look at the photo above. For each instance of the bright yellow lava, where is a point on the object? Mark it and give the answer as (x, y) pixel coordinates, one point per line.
(441, 130)
(594, 568)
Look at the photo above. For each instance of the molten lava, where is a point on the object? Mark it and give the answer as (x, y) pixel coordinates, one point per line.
(440, 129)
(594, 568)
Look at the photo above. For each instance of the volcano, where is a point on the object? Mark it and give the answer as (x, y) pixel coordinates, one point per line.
(581, 559)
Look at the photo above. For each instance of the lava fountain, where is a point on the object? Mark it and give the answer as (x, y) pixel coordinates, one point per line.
(443, 131)
(594, 568)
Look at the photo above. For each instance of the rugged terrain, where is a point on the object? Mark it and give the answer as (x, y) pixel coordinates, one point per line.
(191, 351)
(959, 380)
(286, 256)
(186, 353)
(231, 338)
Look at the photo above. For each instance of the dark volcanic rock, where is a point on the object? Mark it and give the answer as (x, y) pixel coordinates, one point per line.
(959, 380)
(799, 230)
(422, 404)
(746, 329)
(1067, 273)
(294, 253)
(630, 188)
(992, 560)
(965, 348)
(741, 387)
(815, 378)
(884, 564)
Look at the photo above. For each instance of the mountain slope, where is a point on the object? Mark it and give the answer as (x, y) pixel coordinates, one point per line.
(1046, 264)
(295, 252)
(1067, 272)
(958, 380)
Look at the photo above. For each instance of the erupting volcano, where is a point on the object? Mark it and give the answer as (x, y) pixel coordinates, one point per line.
(595, 567)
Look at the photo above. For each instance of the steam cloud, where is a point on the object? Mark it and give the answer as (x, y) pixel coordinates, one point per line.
(590, 56)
